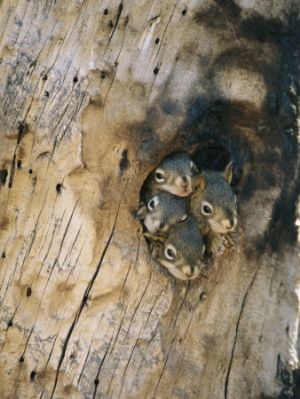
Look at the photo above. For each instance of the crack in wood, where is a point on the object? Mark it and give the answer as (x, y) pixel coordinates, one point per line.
(87, 356)
(85, 297)
(96, 381)
(170, 347)
(12, 171)
(236, 333)
(117, 20)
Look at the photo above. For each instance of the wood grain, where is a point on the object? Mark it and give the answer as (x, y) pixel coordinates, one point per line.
(93, 95)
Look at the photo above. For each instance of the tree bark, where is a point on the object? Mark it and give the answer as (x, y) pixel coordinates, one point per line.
(93, 96)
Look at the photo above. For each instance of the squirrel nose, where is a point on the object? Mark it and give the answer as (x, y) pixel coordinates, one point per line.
(188, 271)
(184, 182)
(229, 224)
(161, 225)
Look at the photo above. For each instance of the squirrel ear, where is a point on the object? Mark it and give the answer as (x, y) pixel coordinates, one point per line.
(195, 170)
(199, 183)
(159, 237)
(156, 244)
(227, 174)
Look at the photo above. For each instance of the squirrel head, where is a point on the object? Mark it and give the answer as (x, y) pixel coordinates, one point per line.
(213, 200)
(165, 210)
(175, 174)
(181, 251)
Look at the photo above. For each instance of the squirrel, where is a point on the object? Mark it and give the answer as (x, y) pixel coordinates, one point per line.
(162, 211)
(181, 251)
(174, 174)
(213, 204)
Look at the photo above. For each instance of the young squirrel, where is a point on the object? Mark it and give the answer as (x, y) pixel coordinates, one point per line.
(181, 251)
(213, 204)
(163, 211)
(174, 174)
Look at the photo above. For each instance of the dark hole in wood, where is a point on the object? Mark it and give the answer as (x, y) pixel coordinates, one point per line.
(3, 176)
(59, 188)
(22, 130)
(32, 375)
(124, 163)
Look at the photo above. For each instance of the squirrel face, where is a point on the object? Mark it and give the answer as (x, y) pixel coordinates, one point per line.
(165, 210)
(214, 202)
(182, 251)
(175, 174)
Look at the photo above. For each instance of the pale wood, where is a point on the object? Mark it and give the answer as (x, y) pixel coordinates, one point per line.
(85, 312)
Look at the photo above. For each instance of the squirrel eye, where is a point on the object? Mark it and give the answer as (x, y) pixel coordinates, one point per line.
(159, 176)
(152, 203)
(170, 252)
(206, 209)
(184, 217)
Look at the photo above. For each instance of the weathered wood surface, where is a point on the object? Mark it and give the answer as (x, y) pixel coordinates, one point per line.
(93, 95)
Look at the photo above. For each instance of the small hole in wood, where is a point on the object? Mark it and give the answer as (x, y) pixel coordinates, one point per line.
(46, 93)
(124, 163)
(21, 360)
(28, 292)
(30, 171)
(155, 71)
(3, 176)
(19, 164)
(110, 24)
(45, 77)
(3, 256)
(10, 323)
(105, 12)
(32, 375)
(59, 188)
(157, 40)
(96, 381)
(184, 12)
(75, 79)
(103, 75)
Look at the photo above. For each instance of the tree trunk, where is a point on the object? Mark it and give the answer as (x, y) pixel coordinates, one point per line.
(93, 95)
